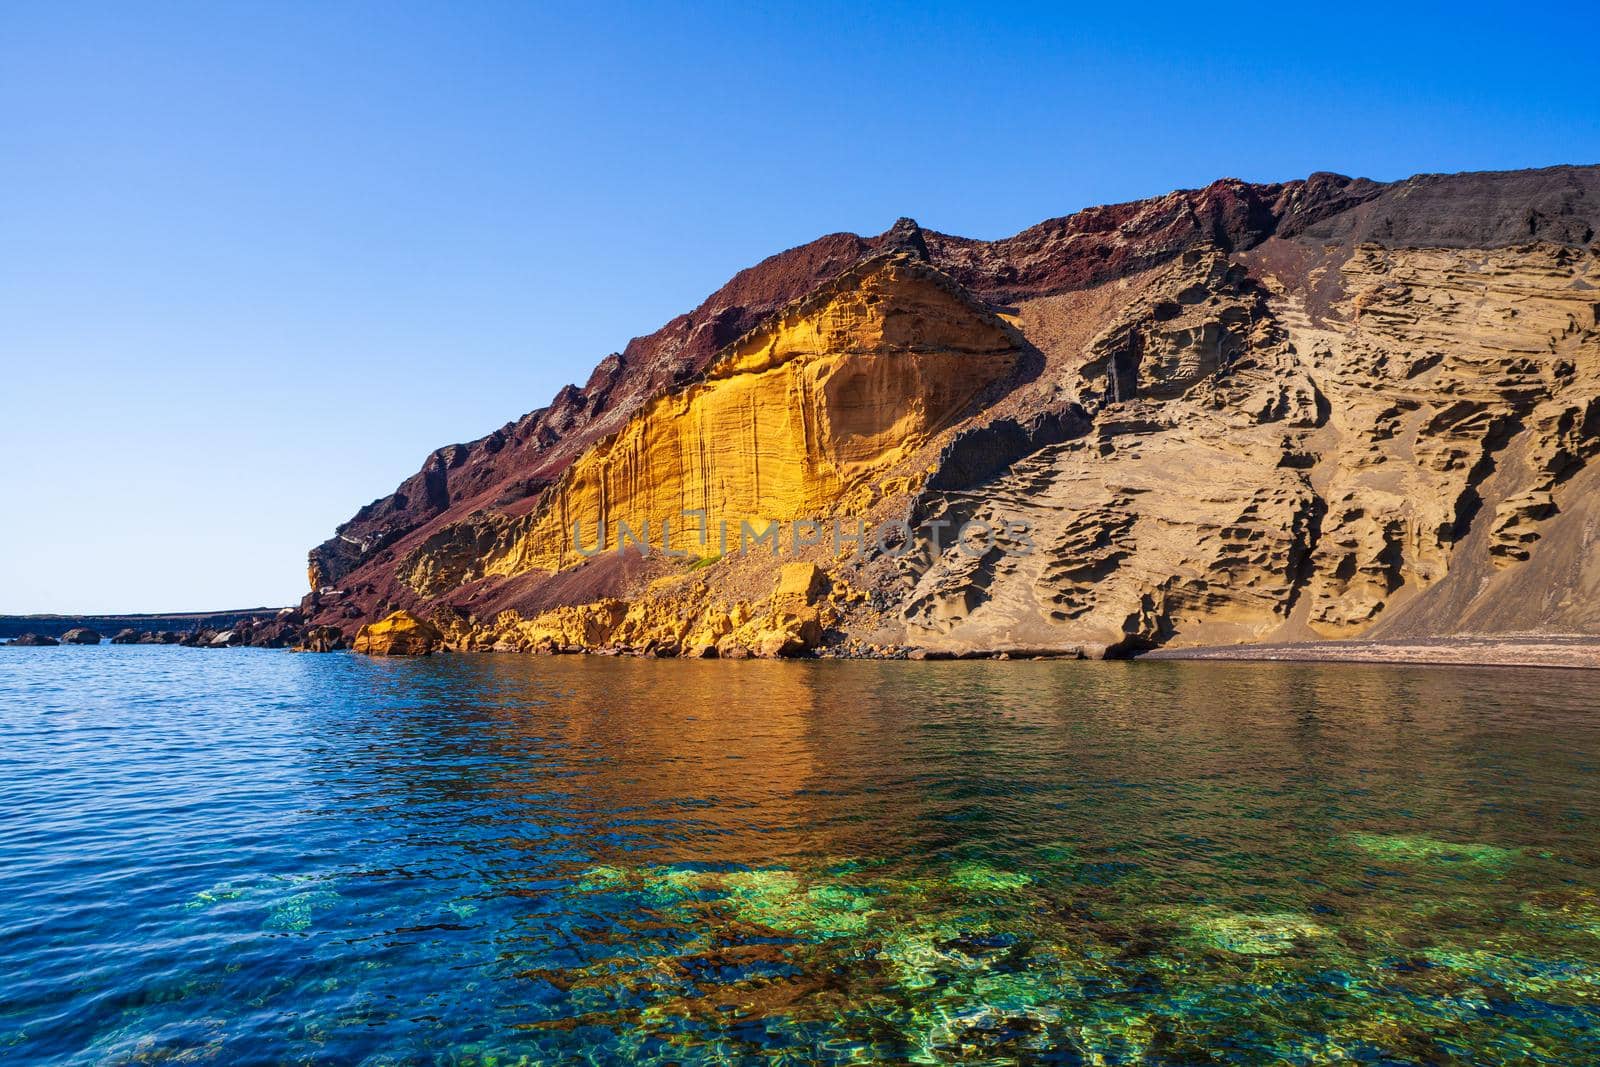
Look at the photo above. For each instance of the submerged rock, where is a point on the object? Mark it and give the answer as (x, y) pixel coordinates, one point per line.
(1421, 847)
(982, 878)
(1254, 935)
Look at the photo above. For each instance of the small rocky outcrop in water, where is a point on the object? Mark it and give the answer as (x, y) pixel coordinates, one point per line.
(81, 635)
(398, 634)
(35, 641)
(127, 636)
(321, 639)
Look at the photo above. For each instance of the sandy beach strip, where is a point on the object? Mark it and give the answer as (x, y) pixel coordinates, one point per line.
(1497, 650)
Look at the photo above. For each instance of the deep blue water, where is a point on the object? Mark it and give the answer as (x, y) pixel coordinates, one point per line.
(257, 857)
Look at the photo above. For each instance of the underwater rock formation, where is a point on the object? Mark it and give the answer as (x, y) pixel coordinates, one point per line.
(1322, 409)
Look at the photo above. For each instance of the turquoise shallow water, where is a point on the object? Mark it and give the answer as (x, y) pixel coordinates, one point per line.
(255, 857)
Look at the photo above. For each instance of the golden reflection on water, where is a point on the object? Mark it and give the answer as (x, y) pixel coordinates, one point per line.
(773, 761)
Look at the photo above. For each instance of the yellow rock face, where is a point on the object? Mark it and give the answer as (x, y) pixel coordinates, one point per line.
(687, 620)
(399, 634)
(787, 424)
(800, 585)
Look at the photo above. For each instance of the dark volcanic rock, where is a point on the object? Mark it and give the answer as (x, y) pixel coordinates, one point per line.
(979, 454)
(81, 635)
(128, 636)
(321, 639)
(1101, 243)
(1481, 210)
(182, 622)
(281, 632)
(34, 641)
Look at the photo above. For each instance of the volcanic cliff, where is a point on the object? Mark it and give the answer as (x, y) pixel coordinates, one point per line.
(1322, 408)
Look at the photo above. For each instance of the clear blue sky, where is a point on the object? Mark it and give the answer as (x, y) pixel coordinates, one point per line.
(257, 260)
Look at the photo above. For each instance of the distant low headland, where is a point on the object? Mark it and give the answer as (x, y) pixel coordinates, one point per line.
(179, 623)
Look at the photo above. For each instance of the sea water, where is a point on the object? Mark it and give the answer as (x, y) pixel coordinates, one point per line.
(249, 856)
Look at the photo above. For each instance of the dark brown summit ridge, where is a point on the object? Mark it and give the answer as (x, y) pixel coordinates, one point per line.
(1483, 209)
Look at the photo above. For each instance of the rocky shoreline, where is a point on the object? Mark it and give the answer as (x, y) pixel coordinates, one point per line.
(790, 634)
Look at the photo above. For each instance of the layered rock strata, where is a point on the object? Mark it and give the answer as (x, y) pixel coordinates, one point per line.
(1322, 409)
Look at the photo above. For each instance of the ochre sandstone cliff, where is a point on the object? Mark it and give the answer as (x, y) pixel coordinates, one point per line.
(794, 421)
(1322, 409)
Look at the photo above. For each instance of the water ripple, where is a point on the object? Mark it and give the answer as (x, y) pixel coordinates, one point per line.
(256, 857)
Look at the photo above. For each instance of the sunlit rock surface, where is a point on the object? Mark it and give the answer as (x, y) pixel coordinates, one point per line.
(1321, 409)
(794, 421)
(399, 634)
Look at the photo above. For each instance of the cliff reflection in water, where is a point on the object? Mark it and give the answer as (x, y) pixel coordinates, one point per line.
(762, 762)
(478, 859)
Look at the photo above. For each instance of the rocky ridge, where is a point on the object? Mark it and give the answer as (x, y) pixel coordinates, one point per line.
(1296, 412)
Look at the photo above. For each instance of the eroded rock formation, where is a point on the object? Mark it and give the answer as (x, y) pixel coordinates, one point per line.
(398, 634)
(1314, 410)
(794, 421)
